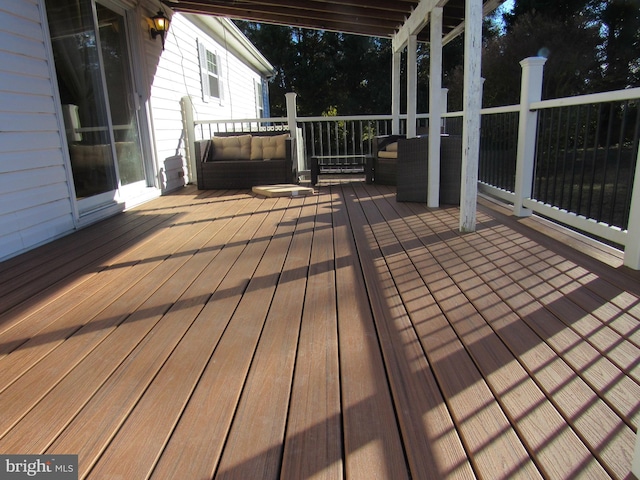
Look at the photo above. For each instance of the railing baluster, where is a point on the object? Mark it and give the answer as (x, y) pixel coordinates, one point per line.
(563, 159)
(585, 143)
(573, 158)
(635, 144)
(603, 184)
(554, 152)
(595, 162)
(617, 167)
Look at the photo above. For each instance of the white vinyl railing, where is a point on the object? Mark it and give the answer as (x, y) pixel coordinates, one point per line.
(525, 151)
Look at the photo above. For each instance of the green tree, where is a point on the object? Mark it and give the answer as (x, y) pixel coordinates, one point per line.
(571, 50)
(591, 45)
(617, 23)
(326, 69)
(621, 45)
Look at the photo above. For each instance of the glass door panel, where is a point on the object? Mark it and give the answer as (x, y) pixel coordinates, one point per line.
(99, 103)
(122, 97)
(79, 74)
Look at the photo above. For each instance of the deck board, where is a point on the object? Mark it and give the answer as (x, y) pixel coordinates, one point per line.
(522, 401)
(575, 400)
(483, 426)
(254, 446)
(177, 405)
(432, 444)
(220, 334)
(372, 442)
(313, 441)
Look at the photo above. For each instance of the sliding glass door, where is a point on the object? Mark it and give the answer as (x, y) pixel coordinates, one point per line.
(99, 104)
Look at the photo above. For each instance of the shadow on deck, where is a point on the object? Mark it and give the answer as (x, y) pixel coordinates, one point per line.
(222, 334)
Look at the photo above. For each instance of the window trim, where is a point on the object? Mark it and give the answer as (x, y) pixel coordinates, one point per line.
(206, 74)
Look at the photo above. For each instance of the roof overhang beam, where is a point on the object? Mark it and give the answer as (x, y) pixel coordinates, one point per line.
(415, 23)
(488, 7)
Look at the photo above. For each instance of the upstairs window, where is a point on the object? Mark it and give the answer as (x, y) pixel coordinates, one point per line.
(211, 74)
(259, 98)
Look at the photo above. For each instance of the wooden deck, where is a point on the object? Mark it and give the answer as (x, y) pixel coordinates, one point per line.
(340, 335)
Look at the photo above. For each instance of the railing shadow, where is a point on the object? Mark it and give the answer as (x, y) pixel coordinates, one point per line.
(474, 347)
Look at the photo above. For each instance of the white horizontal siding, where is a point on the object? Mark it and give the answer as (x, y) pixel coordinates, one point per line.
(23, 180)
(35, 205)
(22, 64)
(20, 122)
(20, 8)
(34, 233)
(20, 83)
(21, 18)
(26, 160)
(28, 141)
(16, 102)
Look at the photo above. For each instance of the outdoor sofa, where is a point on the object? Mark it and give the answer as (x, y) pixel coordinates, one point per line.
(240, 160)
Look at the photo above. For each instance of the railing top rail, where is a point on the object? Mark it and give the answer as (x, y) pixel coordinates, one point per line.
(486, 111)
(619, 95)
(503, 109)
(241, 120)
(616, 96)
(343, 118)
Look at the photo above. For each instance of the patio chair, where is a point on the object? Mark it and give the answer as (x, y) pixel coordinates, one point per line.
(385, 158)
(412, 169)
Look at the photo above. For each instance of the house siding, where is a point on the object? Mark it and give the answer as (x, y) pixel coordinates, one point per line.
(35, 200)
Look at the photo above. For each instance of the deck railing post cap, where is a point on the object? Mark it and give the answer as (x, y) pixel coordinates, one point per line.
(533, 61)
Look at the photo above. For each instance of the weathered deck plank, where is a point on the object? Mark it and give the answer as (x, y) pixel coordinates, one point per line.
(432, 444)
(313, 441)
(372, 443)
(341, 335)
(255, 442)
(526, 406)
(428, 289)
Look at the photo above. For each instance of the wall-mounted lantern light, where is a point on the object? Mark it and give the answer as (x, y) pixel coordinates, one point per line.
(160, 26)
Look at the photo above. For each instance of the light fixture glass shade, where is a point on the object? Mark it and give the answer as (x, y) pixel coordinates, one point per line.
(160, 26)
(160, 22)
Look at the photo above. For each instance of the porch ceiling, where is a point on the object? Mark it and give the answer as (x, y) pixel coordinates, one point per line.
(379, 18)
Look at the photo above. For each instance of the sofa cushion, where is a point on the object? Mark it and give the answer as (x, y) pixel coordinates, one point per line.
(387, 154)
(392, 147)
(269, 147)
(237, 147)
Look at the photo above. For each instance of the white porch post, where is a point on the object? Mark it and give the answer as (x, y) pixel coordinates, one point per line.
(435, 107)
(530, 91)
(444, 108)
(635, 461)
(632, 247)
(292, 121)
(292, 111)
(471, 121)
(395, 93)
(190, 138)
(412, 85)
